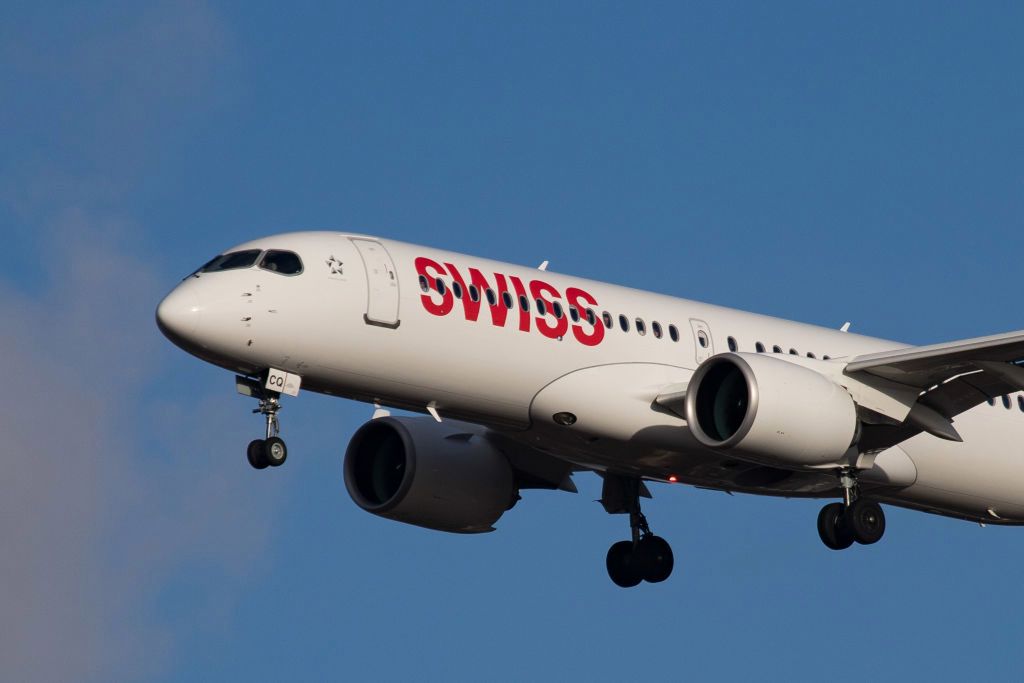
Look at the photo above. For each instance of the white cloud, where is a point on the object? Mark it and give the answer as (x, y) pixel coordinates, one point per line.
(105, 502)
(100, 507)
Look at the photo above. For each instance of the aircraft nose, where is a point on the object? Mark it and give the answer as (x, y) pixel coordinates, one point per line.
(177, 316)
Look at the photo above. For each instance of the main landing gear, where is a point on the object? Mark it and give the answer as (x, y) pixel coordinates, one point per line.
(271, 451)
(856, 519)
(645, 557)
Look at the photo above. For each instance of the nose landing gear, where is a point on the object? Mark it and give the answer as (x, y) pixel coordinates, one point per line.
(855, 520)
(645, 557)
(270, 451)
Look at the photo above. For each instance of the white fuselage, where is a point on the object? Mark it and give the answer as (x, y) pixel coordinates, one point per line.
(357, 323)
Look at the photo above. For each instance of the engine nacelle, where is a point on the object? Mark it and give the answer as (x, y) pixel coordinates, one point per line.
(770, 410)
(430, 474)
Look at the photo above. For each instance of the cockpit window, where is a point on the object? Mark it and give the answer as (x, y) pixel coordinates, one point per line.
(232, 261)
(284, 262)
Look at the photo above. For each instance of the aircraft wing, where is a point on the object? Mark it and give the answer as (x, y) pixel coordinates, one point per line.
(955, 376)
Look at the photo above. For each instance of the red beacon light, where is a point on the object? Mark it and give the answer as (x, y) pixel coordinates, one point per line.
(673, 478)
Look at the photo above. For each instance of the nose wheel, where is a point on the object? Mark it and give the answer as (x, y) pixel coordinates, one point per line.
(270, 451)
(263, 453)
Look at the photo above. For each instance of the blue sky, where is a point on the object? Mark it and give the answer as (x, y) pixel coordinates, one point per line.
(821, 161)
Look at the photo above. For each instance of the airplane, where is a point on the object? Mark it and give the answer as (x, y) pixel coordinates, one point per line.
(523, 377)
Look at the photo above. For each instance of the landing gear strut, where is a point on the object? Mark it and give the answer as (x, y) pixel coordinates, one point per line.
(856, 519)
(645, 557)
(271, 451)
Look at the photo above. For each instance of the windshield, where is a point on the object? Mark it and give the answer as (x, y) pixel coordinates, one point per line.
(284, 262)
(232, 261)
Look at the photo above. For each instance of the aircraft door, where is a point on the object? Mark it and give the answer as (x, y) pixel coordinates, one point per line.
(381, 283)
(702, 341)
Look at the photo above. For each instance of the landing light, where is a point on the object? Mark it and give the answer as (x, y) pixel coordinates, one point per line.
(564, 419)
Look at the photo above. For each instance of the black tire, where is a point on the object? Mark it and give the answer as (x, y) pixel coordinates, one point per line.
(655, 558)
(865, 521)
(255, 454)
(621, 563)
(832, 527)
(274, 451)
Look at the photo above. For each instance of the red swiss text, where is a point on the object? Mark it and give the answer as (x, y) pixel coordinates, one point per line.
(510, 301)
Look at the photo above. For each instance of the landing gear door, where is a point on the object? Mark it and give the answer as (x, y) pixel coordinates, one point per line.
(702, 341)
(381, 283)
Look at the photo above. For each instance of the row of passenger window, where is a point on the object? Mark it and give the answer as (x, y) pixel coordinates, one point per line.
(1008, 403)
(761, 348)
(555, 308)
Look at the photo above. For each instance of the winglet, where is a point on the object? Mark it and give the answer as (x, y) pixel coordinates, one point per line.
(432, 409)
(845, 327)
(543, 266)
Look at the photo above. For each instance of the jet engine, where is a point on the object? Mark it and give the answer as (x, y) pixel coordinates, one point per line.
(770, 410)
(443, 476)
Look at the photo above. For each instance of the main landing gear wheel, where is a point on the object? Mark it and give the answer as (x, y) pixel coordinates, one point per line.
(856, 519)
(865, 521)
(645, 557)
(648, 560)
(831, 528)
(622, 565)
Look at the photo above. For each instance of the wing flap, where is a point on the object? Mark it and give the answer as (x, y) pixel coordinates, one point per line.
(952, 377)
(927, 366)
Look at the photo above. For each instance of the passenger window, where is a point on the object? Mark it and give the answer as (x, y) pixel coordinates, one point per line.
(811, 355)
(759, 347)
(233, 261)
(673, 333)
(574, 314)
(702, 337)
(474, 293)
(776, 349)
(624, 323)
(641, 327)
(591, 317)
(826, 357)
(439, 285)
(794, 352)
(607, 317)
(492, 300)
(507, 300)
(991, 401)
(1006, 402)
(1020, 403)
(283, 262)
(457, 290)
(524, 303)
(559, 313)
(656, 329)
(423, 283)
(732, 344)
(541, 308)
